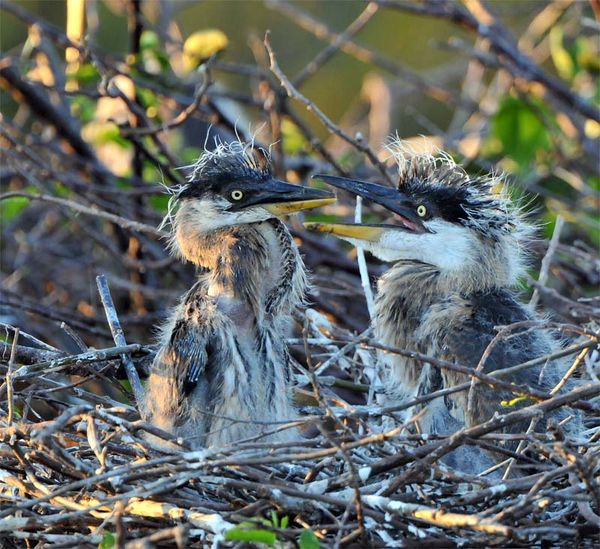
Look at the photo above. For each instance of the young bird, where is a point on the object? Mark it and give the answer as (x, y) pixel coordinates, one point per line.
(222, 371)
(456, 248)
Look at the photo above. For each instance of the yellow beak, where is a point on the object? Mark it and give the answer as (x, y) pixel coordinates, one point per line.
(359, 232)
(284, 208)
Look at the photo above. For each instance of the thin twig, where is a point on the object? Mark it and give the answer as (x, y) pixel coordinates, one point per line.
(119, 337)
(310, 106)
(9, 378)
(547, 261)
(117, 219)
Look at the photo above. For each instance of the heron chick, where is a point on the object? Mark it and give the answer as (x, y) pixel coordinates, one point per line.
(222, 372)
(457, 248)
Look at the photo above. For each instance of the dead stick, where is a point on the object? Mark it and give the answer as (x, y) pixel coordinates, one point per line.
(119, 338)
(547, 261)
(9, 377)
(310, 106)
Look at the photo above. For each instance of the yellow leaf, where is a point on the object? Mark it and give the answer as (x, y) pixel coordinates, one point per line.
(516, 400)
(560, 56)
(592, 129)
(201, 45)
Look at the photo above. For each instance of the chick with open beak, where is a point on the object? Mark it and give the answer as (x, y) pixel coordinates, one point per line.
(457, 248)
(222, 372)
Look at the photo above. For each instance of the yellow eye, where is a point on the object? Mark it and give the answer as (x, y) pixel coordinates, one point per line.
(237, 195)
(421, 210)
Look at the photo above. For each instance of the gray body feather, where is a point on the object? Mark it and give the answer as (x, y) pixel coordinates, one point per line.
(223, 371)
(458, 327)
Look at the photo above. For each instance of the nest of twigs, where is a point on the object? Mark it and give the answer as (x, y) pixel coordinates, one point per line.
(86, 474)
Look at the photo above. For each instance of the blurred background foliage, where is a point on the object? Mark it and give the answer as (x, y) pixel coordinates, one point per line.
(137, 99)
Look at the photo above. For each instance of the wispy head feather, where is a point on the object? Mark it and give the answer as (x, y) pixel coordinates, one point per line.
(485, 199)
(231, 160)
(227, 161)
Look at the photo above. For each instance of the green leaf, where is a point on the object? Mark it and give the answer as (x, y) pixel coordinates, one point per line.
(86, 74)
(284, 522)
(254, 535)
(521, 132)
(147, 97)
(149, 40)
(190, 155)
(11, 207)
(83, 107)
(274, 518)
(108, 541)
(160, 202)
(100, 133)
(308, 540)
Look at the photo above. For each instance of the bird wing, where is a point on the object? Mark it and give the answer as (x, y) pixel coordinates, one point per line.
(190, 350)
(190, 342)
(466, 341)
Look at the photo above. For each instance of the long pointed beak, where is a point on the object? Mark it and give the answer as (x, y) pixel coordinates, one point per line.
(281, 198)
(285, 208)
(371, 233)
(391, 199)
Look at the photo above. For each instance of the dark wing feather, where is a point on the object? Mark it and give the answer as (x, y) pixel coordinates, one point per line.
(189, 349)
(466, 342)
(192, 343)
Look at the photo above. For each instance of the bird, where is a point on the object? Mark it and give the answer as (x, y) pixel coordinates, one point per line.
(457, 247)
(222, 371)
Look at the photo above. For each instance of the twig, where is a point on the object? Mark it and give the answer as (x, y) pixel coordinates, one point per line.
(493, 381)
(439, 517)
(185, 114)
(478, 19)
(27, 355)
(117, 219)
(324, 55)
(117, 332)
(310, 106)
(25, 335)
(547, 261)
(363, 54)
(362, 264)
(86, 358)
(578, 360)
(9, 378)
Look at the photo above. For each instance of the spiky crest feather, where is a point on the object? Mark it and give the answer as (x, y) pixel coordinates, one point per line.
(232, 160)
(489, 208)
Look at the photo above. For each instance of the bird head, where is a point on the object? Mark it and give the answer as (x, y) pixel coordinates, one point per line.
(233, 185)
(439, 215)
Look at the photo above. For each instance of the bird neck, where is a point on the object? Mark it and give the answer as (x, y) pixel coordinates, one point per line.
(403, 292)
(411, 290)
(257, 263)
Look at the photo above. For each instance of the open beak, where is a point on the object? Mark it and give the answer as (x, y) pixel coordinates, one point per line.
(371, 233)
(281, 198)
(393, 200)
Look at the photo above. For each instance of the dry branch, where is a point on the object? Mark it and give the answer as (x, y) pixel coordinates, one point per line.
(119, 337)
